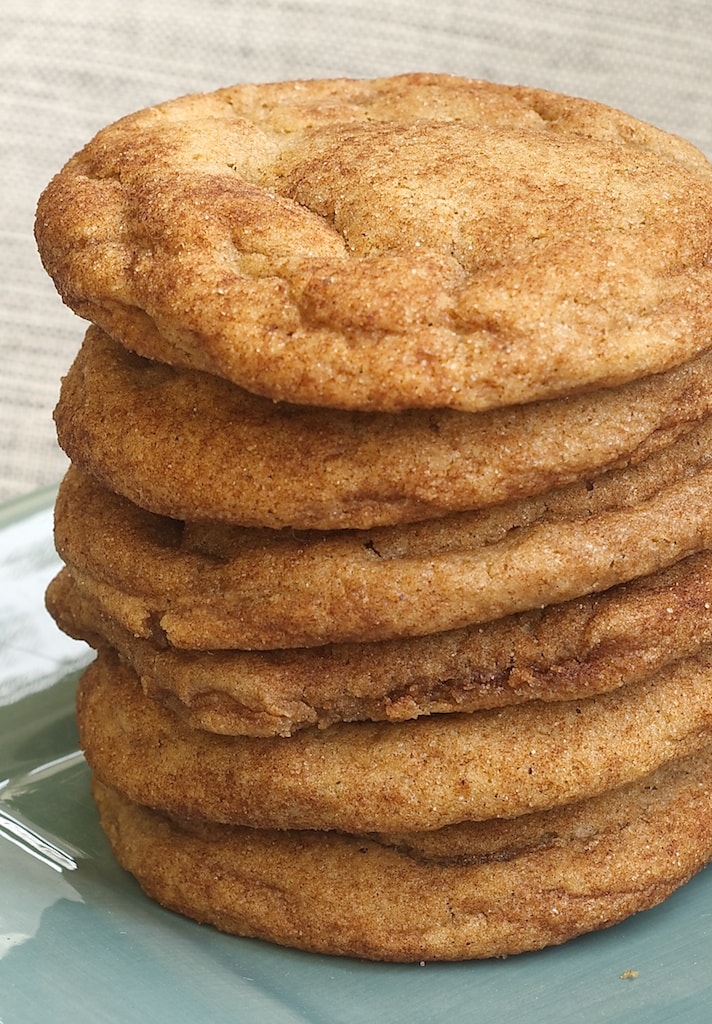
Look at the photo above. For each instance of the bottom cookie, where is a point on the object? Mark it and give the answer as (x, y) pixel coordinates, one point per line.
(469, 891)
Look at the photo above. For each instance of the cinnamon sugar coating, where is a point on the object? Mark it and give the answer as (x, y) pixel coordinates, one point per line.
(413, 776)
(193, 446)
(591, 645)
(489, 889)
(201, 586)
(421, 241)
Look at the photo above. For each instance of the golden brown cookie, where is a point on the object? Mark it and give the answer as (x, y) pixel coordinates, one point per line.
(193, 446)
(483, 890)
(204, 587)
(561, 652)
(421, 241)
(396, 776)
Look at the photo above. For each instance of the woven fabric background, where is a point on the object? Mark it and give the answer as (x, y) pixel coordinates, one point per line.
(67, 67)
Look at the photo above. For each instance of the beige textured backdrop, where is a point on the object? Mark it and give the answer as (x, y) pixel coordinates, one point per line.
(67, 67)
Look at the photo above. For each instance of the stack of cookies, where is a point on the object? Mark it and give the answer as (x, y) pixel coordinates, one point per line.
(389, 510)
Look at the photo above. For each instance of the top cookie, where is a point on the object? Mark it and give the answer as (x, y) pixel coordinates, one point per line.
(419, 241)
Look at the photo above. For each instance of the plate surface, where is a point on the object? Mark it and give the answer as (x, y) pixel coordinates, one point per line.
(80, 943)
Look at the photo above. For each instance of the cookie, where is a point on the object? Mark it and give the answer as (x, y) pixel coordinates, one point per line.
(420, 241)
(205, 587)
(564, 652)
(391, 777)
(492, 889)
(192, 446)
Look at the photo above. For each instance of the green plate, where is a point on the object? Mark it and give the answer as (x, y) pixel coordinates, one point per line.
(80, 943)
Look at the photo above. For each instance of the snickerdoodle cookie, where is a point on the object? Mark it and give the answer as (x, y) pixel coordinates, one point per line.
(193, 446)
(390, 508)
(396, 776)
(473, 891)
(562, 652)
(226, 587)
(420, 241)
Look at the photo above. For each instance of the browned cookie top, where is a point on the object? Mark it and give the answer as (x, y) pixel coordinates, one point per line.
(416, 241)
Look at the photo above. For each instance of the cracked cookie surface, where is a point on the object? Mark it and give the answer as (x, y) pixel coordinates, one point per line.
(421, 241)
